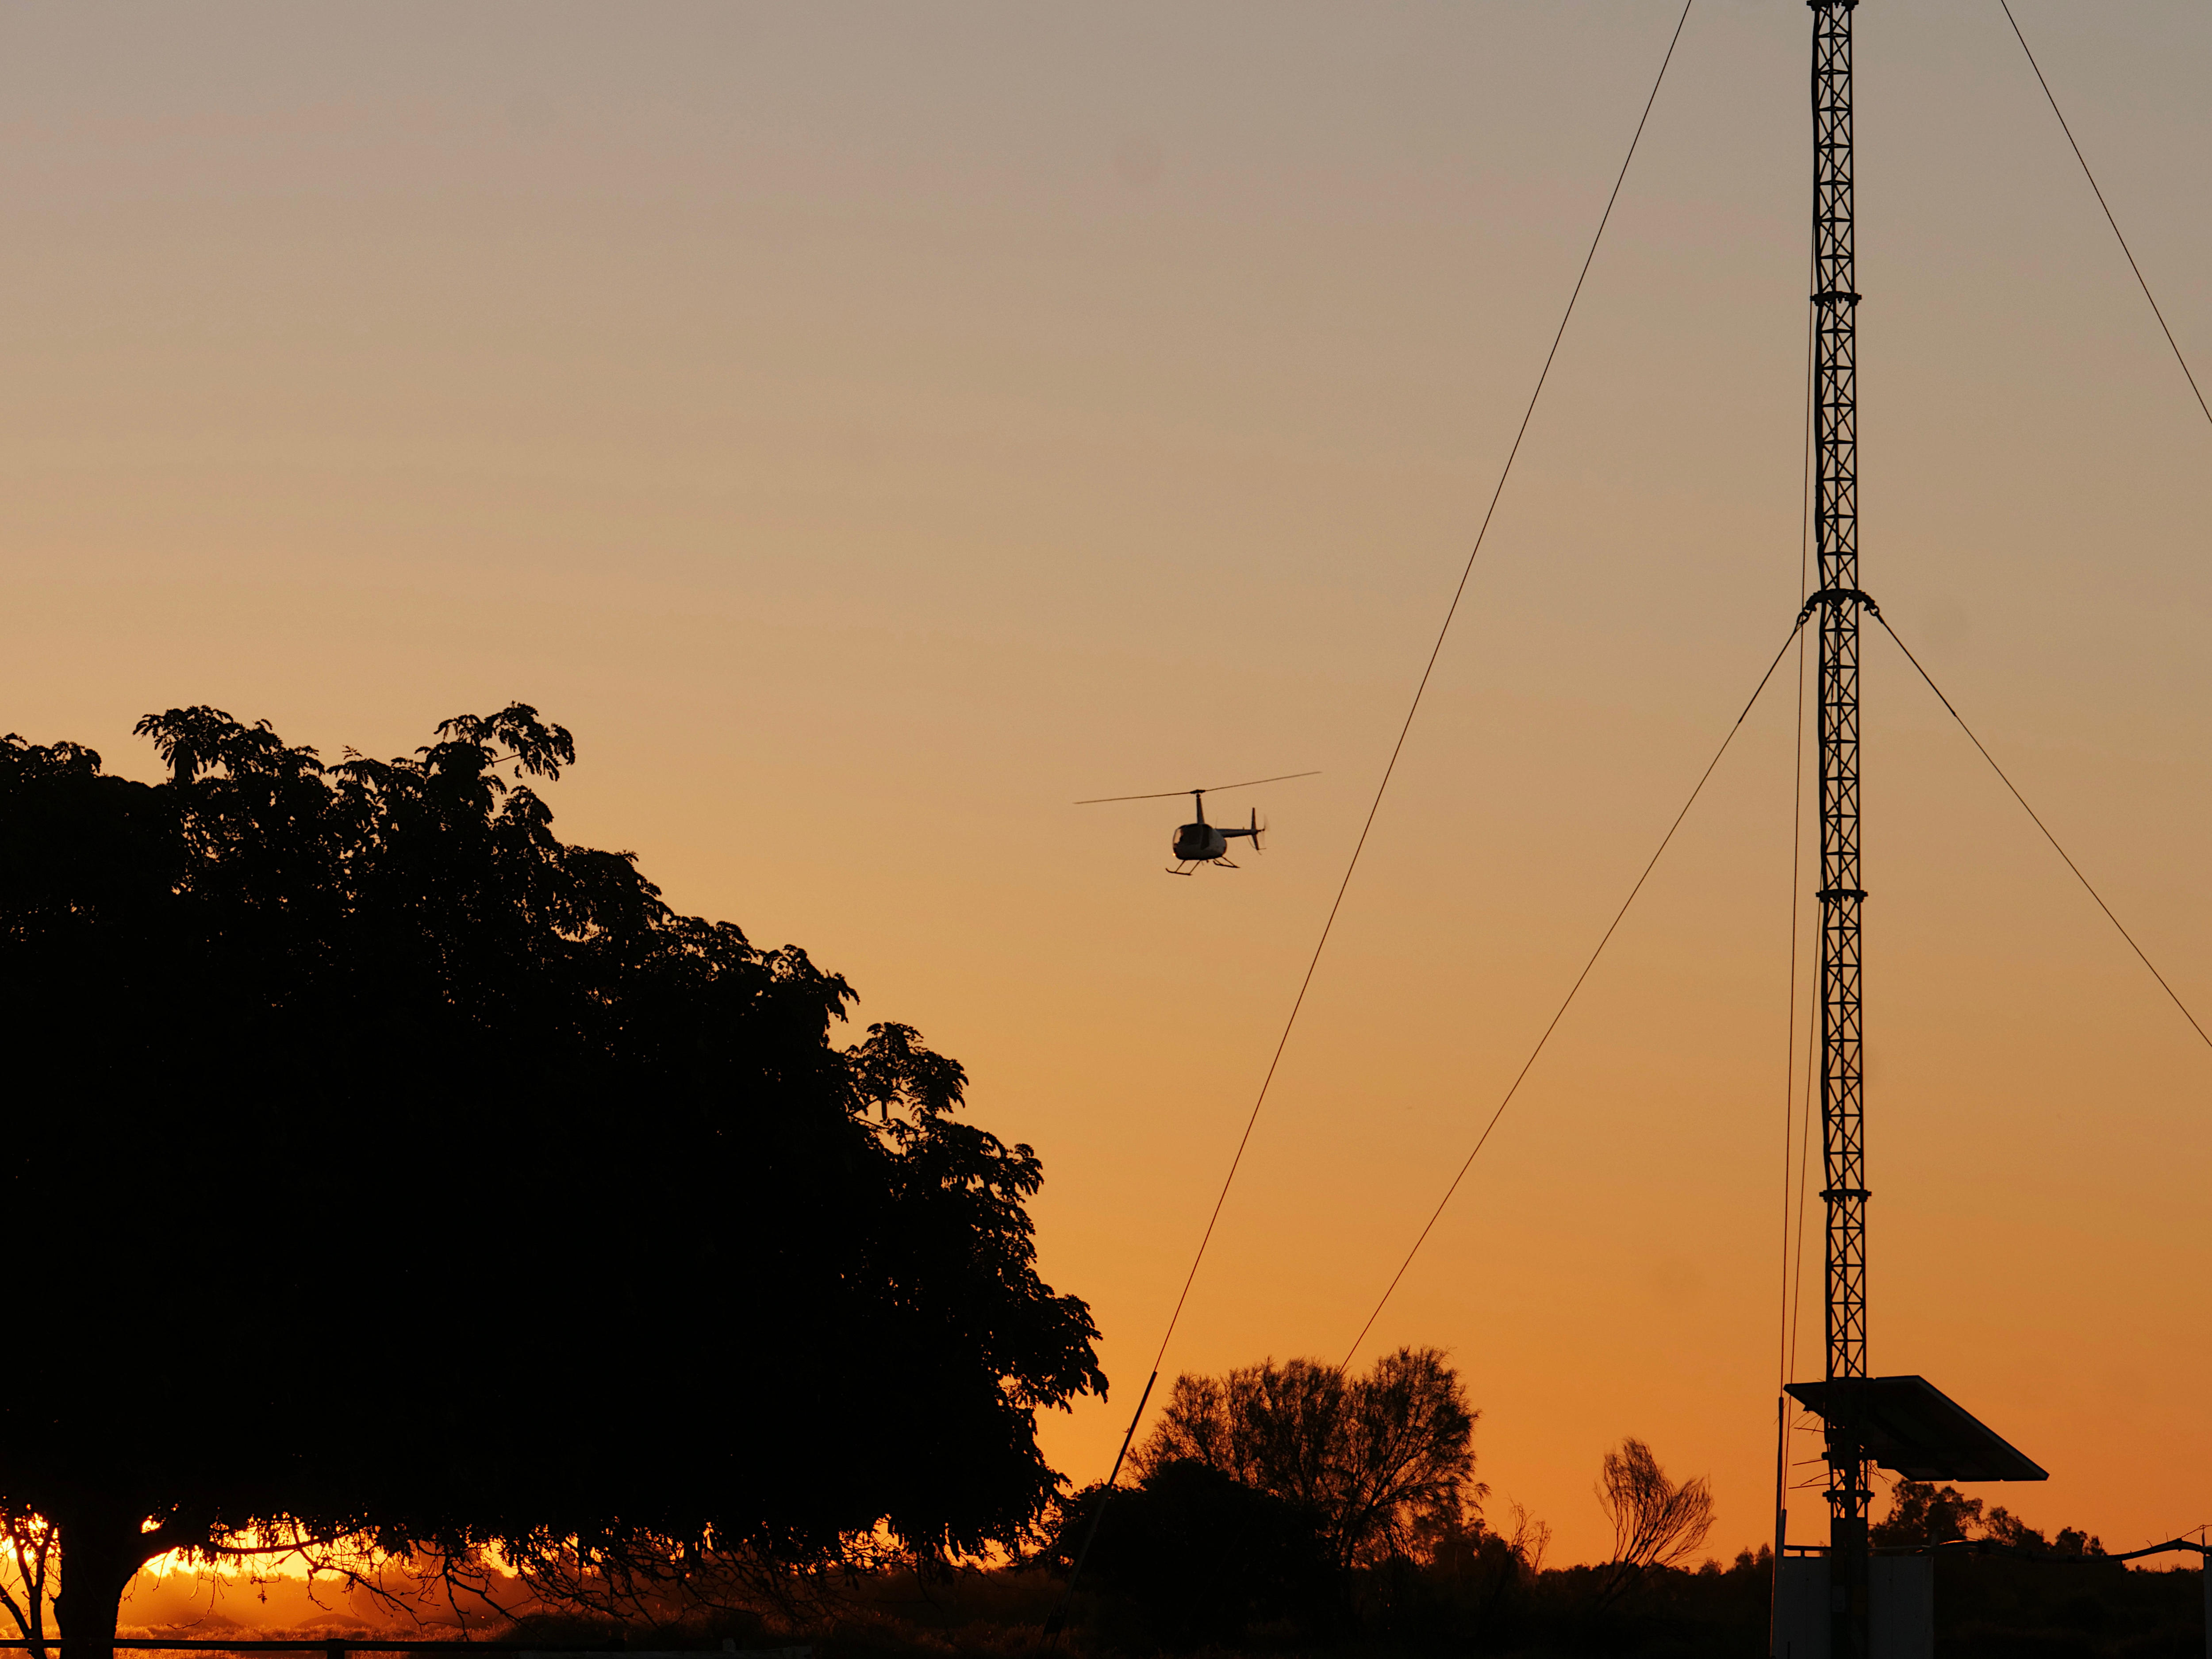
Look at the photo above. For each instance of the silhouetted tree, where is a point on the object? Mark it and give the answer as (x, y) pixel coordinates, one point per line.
(1921, 1512)
(1385, 1458)
(1656, 1522)
(391, 1169)
(27, 1578)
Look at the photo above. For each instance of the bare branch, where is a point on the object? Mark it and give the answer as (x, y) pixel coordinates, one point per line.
(1655, 1522)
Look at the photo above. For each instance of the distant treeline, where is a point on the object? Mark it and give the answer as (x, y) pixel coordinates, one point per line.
(1293, 1507)
(1468, 1603)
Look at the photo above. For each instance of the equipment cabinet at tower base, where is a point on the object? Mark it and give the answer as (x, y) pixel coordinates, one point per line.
(1902, 1590)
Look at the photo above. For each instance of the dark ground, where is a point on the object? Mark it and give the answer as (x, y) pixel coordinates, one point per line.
(1986, 1608)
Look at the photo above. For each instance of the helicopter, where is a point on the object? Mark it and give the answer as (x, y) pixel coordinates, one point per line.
(1202, 842)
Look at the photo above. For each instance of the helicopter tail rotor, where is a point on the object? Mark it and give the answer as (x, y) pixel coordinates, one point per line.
(1258, 829)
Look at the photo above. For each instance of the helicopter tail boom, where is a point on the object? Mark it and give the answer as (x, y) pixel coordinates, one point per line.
(1254, 831)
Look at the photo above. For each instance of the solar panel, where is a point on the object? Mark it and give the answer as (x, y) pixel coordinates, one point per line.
(1908, 1425)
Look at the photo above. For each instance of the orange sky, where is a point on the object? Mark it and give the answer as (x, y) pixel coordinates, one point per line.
(871, 429)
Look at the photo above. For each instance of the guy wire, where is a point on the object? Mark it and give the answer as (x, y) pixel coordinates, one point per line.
(1419, 692)
(1611, 928)
(1796, 831)
(1804, 1179)
(1785, 1358)
(2034, 818)
(2051, 98)
(1054, 1624)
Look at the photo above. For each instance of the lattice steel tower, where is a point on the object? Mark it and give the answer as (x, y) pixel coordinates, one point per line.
(1835, 533)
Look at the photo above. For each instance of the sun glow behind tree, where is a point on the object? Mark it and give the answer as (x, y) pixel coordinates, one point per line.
(507, 1216)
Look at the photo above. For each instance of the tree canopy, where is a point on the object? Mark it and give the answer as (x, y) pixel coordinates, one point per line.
(1385, 1459)
(383, 1166)
(1921, 1512)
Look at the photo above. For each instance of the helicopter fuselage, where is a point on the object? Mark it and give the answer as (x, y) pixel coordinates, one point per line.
(1199, 843)
(1208, 843)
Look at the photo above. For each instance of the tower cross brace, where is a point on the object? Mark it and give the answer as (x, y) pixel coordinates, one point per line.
(1835, 510)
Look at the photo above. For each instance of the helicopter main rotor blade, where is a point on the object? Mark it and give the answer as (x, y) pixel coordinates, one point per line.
(1211, 789)
(1164, 795)
(1215, 789)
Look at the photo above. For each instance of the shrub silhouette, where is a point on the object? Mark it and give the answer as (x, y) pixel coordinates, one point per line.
(1196, 1558)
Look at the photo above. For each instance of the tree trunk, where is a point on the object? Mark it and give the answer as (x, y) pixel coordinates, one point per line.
(102, 1549)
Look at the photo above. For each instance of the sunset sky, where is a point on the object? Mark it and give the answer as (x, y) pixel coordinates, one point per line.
(872, 429)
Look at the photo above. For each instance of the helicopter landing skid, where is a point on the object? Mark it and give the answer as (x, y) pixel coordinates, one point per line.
(1189, 866)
